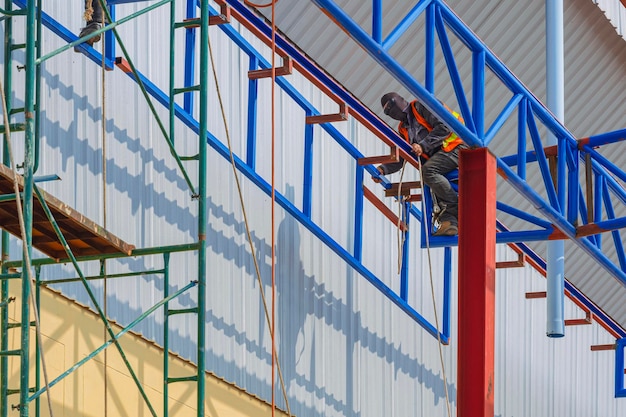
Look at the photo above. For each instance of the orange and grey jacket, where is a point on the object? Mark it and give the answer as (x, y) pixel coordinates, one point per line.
(426, 130)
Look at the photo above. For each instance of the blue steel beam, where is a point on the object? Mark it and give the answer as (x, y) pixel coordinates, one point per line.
(586, 244)
(377, 20)
(615, 328)
(185, 116)
(246, 170)
(190, 58)
(399, 30)
(406, 247)
(358, 218)
(558, 199)
(457, 84)
(447, 289)
(356, 106)
(302, 217)
(619, 243)
(620, 369)
(604, 138)
(253, 92)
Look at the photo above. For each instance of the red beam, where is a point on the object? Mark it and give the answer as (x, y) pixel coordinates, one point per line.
(404, 189)
(512, 264)
(223, 17)
(329, 118)
(577, 322)
(394, 156)
(286, 69)
(383, 159)
(477, 270)
(537, 294)
(596, 348)
(123, 65)
(384, 209)
(590, 229)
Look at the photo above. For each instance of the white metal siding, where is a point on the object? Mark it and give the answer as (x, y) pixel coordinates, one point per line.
(595, 83)
(615, 11)
(344, 348)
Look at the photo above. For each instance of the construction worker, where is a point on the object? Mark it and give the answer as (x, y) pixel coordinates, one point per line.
(94, 17)
(439, 147)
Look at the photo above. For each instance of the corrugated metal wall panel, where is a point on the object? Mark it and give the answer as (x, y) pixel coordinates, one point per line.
(615, 11)
(344, 348)
(595, 61)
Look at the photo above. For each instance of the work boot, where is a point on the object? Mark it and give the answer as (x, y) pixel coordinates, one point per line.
(87, 30)
(447, 229)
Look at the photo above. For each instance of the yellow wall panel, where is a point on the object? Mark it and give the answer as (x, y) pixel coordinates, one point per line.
(103, 386)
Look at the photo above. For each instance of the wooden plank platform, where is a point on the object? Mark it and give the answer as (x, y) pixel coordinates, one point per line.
(84, 237)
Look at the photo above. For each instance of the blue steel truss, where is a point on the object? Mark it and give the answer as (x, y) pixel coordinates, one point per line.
(562, 207)
(352, 256)
(565, 205)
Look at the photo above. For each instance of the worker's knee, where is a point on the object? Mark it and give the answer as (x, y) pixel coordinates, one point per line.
(429, 174)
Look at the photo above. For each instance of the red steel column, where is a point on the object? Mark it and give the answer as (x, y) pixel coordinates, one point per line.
(477, 253)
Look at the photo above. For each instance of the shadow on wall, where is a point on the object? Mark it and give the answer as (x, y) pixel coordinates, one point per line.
(297, 340)
(79, 152)
(300, 296)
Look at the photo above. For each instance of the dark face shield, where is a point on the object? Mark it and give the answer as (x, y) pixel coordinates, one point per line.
(394, 108)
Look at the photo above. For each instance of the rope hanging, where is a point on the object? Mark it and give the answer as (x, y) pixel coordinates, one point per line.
(250, 241)
(401, 235)
(104, 206)
(28, 266)
(432, 291)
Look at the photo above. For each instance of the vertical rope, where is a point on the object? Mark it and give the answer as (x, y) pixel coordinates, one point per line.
(432, 292)
(272, 319)
(273, 207)
(20, 216)
(104, 211)
(400, 234)
(247, 226)
(273, 214)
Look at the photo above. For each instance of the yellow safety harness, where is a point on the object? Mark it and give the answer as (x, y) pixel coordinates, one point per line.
(449, 143)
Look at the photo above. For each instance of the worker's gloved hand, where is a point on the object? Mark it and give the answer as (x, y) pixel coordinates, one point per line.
(376, 178)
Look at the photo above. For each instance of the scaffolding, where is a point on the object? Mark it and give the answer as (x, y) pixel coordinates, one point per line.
(60, 232)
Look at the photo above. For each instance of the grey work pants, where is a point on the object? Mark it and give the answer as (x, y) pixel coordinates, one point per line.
(98, 14)
(433, 175)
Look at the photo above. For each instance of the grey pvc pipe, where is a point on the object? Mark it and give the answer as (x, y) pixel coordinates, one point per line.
(555, 325)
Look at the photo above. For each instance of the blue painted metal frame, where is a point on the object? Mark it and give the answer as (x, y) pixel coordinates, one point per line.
(190, 57)
(406, 247)
(109, 37)
(541, 263)
(358, 218)
(253, 92)
(440, 18)
(620, 368)
(511, 237)
(355, 260)
(247, 169)
(480, 58)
